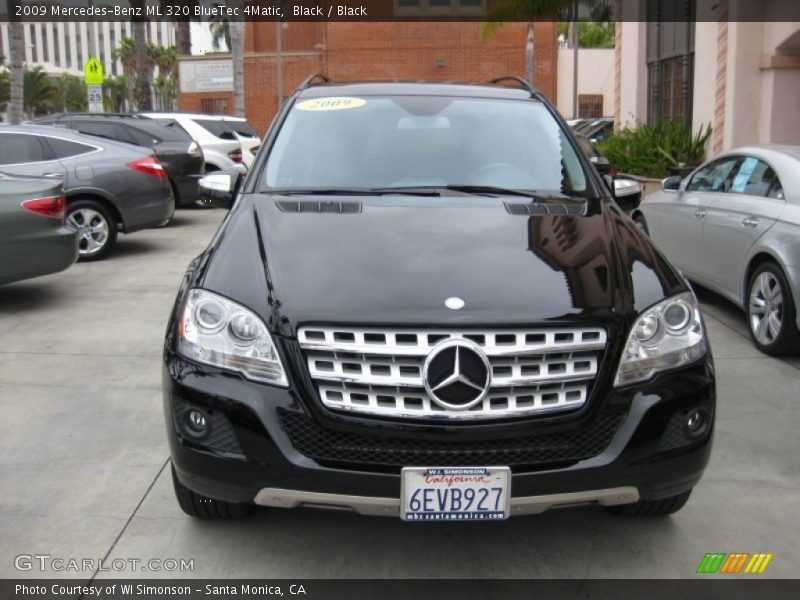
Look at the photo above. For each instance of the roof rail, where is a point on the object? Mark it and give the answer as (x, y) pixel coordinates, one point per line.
(523, 82)
(309, 81)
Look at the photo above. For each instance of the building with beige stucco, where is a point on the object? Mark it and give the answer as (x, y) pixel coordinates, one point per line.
(732, 64)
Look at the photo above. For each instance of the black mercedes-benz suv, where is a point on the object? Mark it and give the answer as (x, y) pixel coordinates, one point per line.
(424, 303)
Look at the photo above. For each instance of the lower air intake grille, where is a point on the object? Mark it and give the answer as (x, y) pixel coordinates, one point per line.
(385, 453)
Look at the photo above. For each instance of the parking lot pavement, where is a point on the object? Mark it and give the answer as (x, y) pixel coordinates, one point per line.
(83, 455)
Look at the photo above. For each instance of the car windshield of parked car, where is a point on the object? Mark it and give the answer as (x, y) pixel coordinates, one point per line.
(423, 141)
(242, 128)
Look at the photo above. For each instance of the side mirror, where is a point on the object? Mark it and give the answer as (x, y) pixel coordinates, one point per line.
(626, 187)
(219, 188)
(671, 184)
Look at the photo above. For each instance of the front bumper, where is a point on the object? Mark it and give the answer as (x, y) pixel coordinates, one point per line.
(643, 460)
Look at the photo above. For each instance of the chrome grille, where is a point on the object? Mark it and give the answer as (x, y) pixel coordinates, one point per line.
(379, 371)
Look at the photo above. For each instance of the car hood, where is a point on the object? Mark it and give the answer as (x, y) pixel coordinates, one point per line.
(396, 259)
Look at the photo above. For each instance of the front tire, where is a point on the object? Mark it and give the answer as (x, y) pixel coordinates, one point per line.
(652, 508)
(771, 312)
(202, 507)
(97, 229)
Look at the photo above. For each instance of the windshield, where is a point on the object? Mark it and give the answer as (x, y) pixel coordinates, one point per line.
(420, 141)
(216, 127)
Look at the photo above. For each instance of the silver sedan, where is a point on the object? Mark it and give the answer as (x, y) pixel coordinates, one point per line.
(733, 226)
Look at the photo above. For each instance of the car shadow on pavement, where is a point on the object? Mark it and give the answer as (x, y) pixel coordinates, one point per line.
(30, 295)
(132, 247)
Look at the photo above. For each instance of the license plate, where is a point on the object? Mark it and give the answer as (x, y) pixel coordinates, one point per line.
(455, 493)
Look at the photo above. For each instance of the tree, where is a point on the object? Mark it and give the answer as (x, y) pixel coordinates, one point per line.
(17, 50)
(237, 54)
(70, 93)
(164, 89)
(125, 52)
(38, 93)
(142, 98)
(166, 59)
(522, 10)
(5, 89)
(115, 93)
(183, 38)
(221, 31)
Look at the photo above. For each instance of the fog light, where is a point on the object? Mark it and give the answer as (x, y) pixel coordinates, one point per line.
(196, 423)
(696, 423)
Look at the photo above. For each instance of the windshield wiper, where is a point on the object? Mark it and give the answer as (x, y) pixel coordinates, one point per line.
(497, 191)
(353, 191)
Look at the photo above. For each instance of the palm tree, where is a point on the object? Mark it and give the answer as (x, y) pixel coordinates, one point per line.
(17, 51)
(166, 59)
(142, 98)
(70, 93)
(220, 31)
(115, 93)
(522, 10)
(183, 37)
(237, 52)
(39, 94)
(5, 89)
(125, 52)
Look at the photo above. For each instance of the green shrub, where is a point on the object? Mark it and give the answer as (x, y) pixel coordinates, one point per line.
(651, 151)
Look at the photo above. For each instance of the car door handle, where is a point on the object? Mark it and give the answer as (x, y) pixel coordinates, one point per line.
(699, 213)
(749, 221)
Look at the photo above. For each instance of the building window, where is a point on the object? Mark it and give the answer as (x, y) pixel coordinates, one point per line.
(415, 8)
(34, 45)
(45, 47)
(590, 106)
(214, 106)
(56, 46)
(670, 60)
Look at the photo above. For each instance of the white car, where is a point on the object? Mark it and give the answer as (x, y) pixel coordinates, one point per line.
(247, 137)
(733, 226)
(221, 146)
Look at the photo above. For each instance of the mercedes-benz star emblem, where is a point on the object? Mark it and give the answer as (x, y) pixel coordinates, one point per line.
(457, 374)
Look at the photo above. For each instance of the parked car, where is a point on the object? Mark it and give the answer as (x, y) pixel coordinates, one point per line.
(627, 192)
(733, 226)
(33, 238)
(247, 137)
(595, 130)
(424, 304)
(177, 152)
(110, 186)
(222, 150)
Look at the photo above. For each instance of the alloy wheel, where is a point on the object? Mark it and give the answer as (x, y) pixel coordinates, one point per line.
(92, 228)
(766, 308)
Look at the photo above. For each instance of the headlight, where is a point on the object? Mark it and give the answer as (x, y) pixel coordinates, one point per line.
(667, 335)
(216, 331)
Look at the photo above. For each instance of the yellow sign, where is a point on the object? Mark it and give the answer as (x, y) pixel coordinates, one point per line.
(336, 103)
(93, 72)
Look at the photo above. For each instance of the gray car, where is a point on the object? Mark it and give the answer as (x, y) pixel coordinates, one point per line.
(33, 238)
(110, 186)
(733, 226)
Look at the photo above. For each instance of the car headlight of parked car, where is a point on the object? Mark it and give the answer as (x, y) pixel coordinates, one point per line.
(667, 335)
(219, 332)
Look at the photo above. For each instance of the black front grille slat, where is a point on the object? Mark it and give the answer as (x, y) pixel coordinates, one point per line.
(373, 452)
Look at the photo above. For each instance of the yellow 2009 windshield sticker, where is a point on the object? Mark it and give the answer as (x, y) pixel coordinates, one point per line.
(336, 103)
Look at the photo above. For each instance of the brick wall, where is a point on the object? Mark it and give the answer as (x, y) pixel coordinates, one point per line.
(361, 51)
